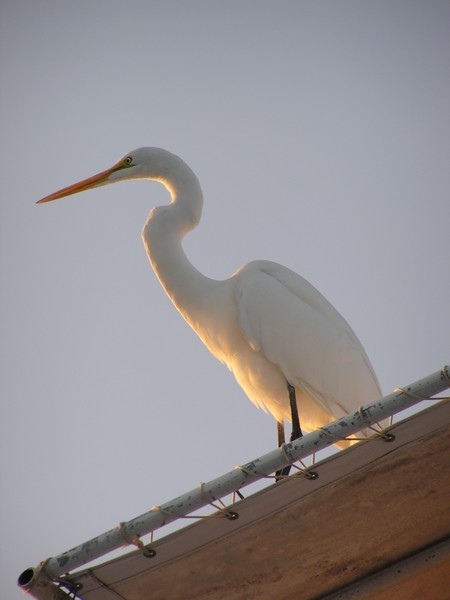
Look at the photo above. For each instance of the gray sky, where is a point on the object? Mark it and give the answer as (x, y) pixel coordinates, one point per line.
(320, 133)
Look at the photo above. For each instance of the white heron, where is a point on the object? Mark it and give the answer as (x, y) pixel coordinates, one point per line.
(286, 345)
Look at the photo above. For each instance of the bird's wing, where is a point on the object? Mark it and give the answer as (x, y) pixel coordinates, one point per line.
(286, 319)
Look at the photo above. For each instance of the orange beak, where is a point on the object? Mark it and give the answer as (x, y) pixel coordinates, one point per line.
(81, 186)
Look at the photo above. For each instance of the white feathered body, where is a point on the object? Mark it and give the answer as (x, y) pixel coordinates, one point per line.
(269, 326)
(266, 323)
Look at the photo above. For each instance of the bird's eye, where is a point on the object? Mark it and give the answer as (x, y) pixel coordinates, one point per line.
(128, 161)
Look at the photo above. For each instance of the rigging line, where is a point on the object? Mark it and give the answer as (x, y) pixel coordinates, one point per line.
(105, 585)
(136, 541)
(221, 513)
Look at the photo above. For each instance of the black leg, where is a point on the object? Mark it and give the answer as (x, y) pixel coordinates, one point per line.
(296, 429)
(281, 441)
(280, 431)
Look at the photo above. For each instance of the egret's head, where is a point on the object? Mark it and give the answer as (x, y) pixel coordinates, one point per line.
(143, 163)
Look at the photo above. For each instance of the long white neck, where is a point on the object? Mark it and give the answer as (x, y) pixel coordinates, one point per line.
(163, 233)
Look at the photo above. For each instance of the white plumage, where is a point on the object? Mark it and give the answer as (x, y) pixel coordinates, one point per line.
(266, 323)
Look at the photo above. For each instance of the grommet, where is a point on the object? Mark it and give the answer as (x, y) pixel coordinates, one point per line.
(232, 515)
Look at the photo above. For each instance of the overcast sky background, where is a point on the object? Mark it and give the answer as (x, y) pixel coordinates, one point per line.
(320, 133)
